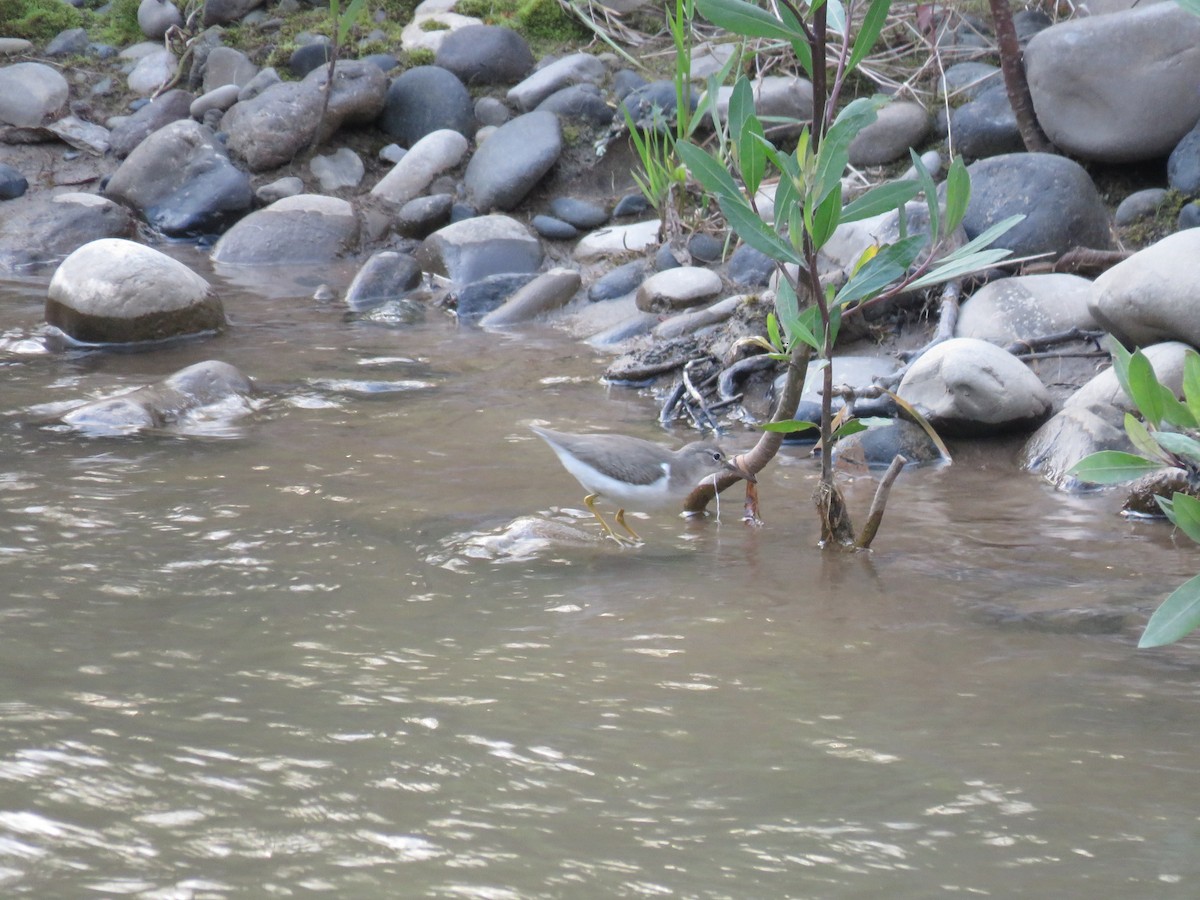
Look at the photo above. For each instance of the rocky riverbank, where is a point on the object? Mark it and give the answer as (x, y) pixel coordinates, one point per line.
(457, 173)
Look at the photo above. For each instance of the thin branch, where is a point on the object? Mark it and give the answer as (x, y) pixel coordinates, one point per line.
(879, 502)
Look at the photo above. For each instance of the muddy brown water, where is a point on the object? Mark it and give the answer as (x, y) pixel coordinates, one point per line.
(279, 657)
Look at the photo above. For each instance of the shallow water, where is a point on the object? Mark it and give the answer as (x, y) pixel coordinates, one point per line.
(278, 658)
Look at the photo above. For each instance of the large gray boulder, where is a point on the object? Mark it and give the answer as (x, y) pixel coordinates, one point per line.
(182, 181)
(513, 160)
(1120, 87)
(1057, 197)
(30, 94)
(271, 128)
(117, 291)
(308, 229)
(39, 230)
(169, 107)
(966, 386)
(485, 54)
(1153, 295)
(1028, 306)
(473, 249)
(426, 99)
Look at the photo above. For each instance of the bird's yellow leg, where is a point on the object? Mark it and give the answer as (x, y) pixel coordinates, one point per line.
(621, 521)
(590, 502)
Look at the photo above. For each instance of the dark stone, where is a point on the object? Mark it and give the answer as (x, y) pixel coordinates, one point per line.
(426, 99)
(513, 160)
(618, 282)
(652, 105)
(986, 126)
(583, 102)
(554, 229)
(387, 275)
(485, 54)
(479, 298)
(39, 230)
(750, 267)
(12, 183)
(1189, 216)
(631, 205)
(625, 81)
(72, 42)
(385, 61)
(424, 215)
(705, 247)
(151, 116)
(1028, 22)
(665, 258)
(1183, 165)
(970, 79)
(311, 56)
(581, 213)
(878, 446)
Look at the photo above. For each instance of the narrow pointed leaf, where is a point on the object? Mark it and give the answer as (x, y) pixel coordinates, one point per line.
(1112, 467)
(793, 321)
(1143, 389)
(1180, 444)
(1191, 379)
(773, 333)
(1143, 441)
(985, 239)
(1187, 515)
(834, 153)
(747, 19)
(869, 31)
(1178, 616)
(1174, 412)
(888, 265)
(958, 194)
(881, 199)
(929, 188)
(825, 217)
(914, 414)
(949, 269)
(788, 426)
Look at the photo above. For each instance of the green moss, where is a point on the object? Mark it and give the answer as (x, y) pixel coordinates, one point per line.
(546, 20)
(37, 20)
(434, 25)
(419, 57)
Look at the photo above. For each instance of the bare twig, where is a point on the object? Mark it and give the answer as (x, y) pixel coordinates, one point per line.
(879, 502)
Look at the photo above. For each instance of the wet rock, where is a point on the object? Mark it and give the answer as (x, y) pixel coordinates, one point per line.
(40, 230)
(485, 54)
(1013, 309)
(339, 170)
(583, 214)
(618, 282)
(30, 93)
(617, 240)
(969, 387)
(1139, 205)
(12, 183)
(154, 17)
(512, 162)
(170, 107)
(421, 216)
(1151, 296)
(304, 230)
(548, 291)
(477, 299)
(158, 405)
(900, 125)
(426, 99)
(270, 129)
(435, 153)
(876, 447)
(1069, 436)
(1051, 621)
(474, 248)
(553, 229)
(116, 291)
(1061, 205)
(1183, 165)
(182, 181)
(677, 289)
(986, 126)
(577, 68)
(667, 257)
(387, 275)
(1118, 88)
(1142, 499)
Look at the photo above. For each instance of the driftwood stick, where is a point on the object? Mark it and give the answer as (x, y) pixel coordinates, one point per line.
(1046, 341)
(1080, 260)
(879, 502)
(947, 322)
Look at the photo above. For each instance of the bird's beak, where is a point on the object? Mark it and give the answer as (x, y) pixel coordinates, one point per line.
(735, 465)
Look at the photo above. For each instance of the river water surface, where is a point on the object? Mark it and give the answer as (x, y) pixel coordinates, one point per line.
(280, 658)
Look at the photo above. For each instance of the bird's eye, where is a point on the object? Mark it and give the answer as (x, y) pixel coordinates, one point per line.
(717, 456)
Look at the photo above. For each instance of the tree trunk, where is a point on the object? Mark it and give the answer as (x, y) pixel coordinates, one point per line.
(1012, 65)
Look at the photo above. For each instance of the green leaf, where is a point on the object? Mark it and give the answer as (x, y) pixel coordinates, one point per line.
(1144, 441)
(1192, 6)
(1180, 444)
(881, 199)
(1191, 378)
(929, 188)
(1112, 467)
(950, 268)
(834, 152)
(747, 19)
(794, 322)
(825, 218)
(888, 265)
(349, 19)
(1186, 515)
(958, 194)
(984, 239)
(747, 133)
(1174, 412)
(1144, 389)
(853, 426)
(1178, 616)
(788, 426)
(773, 333)
(869, 31)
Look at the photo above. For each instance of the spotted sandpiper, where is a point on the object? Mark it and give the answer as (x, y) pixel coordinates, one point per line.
(636, 474)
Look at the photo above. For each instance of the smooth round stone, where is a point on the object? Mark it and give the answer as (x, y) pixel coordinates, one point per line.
(392, 153)
(1023, 307)
(677, 289)
(432, 155)
(1183, 165)
(631, 205)
(217, 99)
(307, 229)
(1189, 216)
(986, 126)
(12, 183)
(422, 215)
(480, 246)
(705, 247)
(582, 102)
(1139, 205)
(548, 291)
(1151, 296)
(485, 54)
(513, 161)
(583, 214)
(617, 240)
(481, 297)
(577, 68)
(72, 42)
(426, 99)
(665, 258)
(969, 79)
(154, 17)
(553, 229)
(225, 65)
(876, 447)
(152, 72)
(490, 111)
(30, 93)
(750, 267)
(387, 275)
(39, 230)
(899, 126)
(311, 56)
